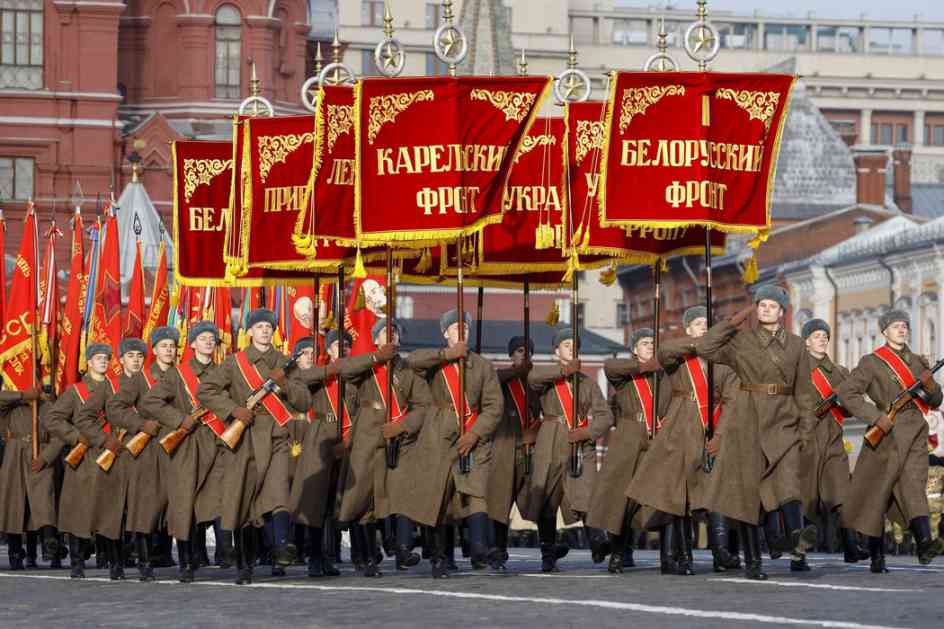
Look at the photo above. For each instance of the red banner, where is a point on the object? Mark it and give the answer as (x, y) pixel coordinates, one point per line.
(49, 308)
(160, 297)
(105, 323)
(437, 150)
(16, 344)
(134, 314)
(365, 305)
(692, 148)
(70, 324)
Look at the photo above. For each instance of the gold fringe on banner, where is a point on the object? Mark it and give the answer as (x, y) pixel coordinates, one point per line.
(553, 317)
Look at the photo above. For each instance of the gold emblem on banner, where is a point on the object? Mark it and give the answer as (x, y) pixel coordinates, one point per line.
(202, 171)
(340, 122)
(589, 137)
(274, 149)
(759, 105)
(515, 105)
(636, 100)
(531, 142)
(386, 108)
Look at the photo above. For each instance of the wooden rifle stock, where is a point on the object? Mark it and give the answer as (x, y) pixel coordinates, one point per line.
(137, 443)
(170, 442)
(234, 432)
(874, 435)
(76, 454)
(106, 459)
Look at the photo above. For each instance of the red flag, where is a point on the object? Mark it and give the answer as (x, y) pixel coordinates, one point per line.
(105, 325)
(49, 308)
(223, 318)
(16, 345)
(70, 325)
(301, 311)
(160, 297)
(134, 316)
(364, 307)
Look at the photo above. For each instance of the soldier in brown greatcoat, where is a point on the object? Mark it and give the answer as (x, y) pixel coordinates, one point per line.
(766, 359)
(553, 481)
(671, 479)
(447, 491)
(513, 441)
(147, 476)
(892, 477)
(27, 488)
(196, 468)
(256, 481)
(75, 508)
(826, 467)
(634, 382)
(111, 487)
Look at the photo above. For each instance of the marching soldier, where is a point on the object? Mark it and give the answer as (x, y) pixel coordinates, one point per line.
(553, 483)
(453, 491)
(892, 477)
(27, 485)
(75, 508)
(826, 466)
(196, 467)
(671, 479)
(766, 359)
(147, 492)
(632, 405)
(111, 485)
(256, 480)
(513, 445)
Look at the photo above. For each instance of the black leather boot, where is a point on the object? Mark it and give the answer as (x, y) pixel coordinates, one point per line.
(184, 560)
(547, 535)
(877, 555)
(478, 540)
(628, 561)
(406, 558)
(143, 548)
(15, 551)
(723, 560)
(438, 560)
(798, 564)
(498, 553)
(371, 550)
(682, 532)
(773, 533)
(31, 538)
(116, 560)
(926, 548)
(668, 562)
(750, 542)
(315, 553)
(199, 558)
(50, 541)
(76, 558)
(246, 550)
(284, 551)
(600, 546)
(618, 546)
(225, 547)
(101, 552)
(853, 552)
(327, 543)
(451, 548)
(388, 538)
(800, 539)
(358, 558)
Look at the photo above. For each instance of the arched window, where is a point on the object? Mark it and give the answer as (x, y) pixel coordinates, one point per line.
(228, 45)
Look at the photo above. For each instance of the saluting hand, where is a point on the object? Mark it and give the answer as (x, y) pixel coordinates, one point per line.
(570, 368)
(741, 316)
(649, 366)
(457, 351)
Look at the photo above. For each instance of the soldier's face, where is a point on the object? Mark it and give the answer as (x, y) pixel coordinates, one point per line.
(306, 358)
(452, 333)
(768, 311)
(697, 327)
(204, 344)
(261, 333)
(165, 351)
(519, 356)
(98, 364)
(334, 350)
(565, 351)
(644, 349)
(897, 333)
(381, 338)
(132, 362)
(817, 342)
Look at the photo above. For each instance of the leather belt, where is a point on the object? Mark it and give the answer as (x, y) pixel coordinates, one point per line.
(11, 436)
(376, 406)
(769, 389)
(679, 393)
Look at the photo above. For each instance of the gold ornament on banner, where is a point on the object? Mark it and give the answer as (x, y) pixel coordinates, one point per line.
(384, 109)
(759, 105)
(274, 149)
(637, 100)
(198, 172)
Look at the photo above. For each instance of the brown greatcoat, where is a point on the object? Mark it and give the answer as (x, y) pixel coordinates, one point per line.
(440, 491)
(825, 462)
(195, 471)
(551, 483)
(148, 472)
(256, 477)
(893, 477)
(507, 482)
(111, 487)
(671, 479)
(21, 491)
(627, 445)
(764, 451)
(78, 485)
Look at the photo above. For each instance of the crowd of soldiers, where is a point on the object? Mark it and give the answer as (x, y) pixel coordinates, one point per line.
(280, 454)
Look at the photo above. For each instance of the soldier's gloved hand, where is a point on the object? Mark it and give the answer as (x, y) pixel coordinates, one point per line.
(30, 395)
(467, 442)
(278, 376)
(242, 414)
(649, 366)
(37, 466)
(151, 427)
(741, 316)
(570, 368)
(84, 441)
(385, 353)
(579, 436)
(524, 369)
(112, 443)
(333, 368)
(927, 380)
(392, 430)
(714, 444)
(457, 351)
(885, 424)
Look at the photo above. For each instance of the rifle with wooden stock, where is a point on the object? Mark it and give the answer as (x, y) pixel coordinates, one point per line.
(171, 441)
(107, 458)
(874, 435)
(234, 432)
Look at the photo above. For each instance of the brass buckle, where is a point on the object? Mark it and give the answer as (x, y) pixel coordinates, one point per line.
(773, 389)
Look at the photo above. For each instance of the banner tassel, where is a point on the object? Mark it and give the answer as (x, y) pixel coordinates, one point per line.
(553, 317)
(359, 270)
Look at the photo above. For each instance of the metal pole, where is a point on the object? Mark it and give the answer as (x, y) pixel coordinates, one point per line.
(479, 310)
(465, 461)
(339, 321)
(392, 445)
(315, 316)
(710, 428)
(529, 449)
(576, 453)
(656, 377)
